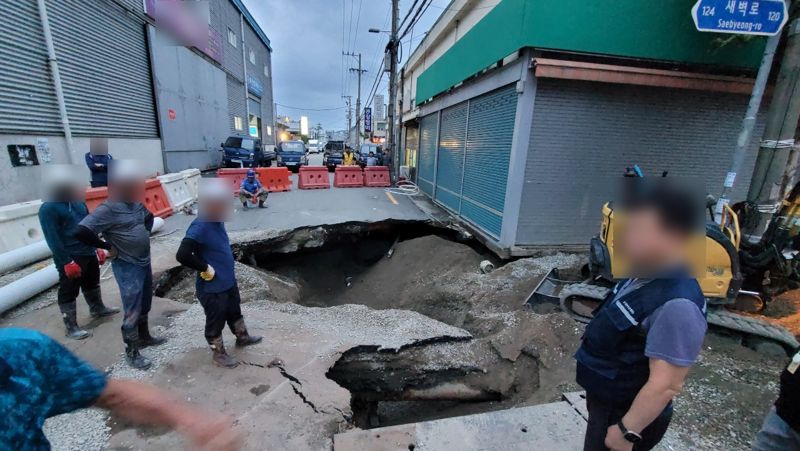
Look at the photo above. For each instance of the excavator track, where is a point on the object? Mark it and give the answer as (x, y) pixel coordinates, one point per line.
(717, 316)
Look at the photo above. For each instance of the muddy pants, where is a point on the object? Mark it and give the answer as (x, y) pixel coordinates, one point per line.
(220, 308)
(88, 282)
(603, 414)
(136, 290)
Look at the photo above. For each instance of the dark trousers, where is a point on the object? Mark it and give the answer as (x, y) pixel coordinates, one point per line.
(603, 414)
(136, 290)
(220, 308)
(89, 280)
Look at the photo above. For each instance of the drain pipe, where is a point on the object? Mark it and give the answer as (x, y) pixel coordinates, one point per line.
(24, 256)
(56, 74)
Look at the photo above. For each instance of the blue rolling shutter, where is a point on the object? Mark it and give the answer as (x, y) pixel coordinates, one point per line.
(491, 128)
(450, 166)
(427, 152)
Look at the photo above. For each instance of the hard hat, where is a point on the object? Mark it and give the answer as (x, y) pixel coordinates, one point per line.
(251, 173)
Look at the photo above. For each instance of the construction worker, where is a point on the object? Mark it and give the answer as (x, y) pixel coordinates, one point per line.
(125, 224)
(349, 157)
(251, 190)
(97, 159)
(207, 250)
(41, 379)
(644, 338)
(781, 428)
(78, 264)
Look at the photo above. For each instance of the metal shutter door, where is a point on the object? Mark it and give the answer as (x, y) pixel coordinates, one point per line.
(27, 99)
(491, 128)
(428, 130)
(105, 69)
(450, 163)
(236, 105)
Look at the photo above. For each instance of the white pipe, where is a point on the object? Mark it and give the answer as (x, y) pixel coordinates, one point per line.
(23, 256)
(27, 287)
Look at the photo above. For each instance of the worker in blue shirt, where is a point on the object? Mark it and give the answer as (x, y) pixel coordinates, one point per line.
(97, 162)
(78, 264)
(252, 190)
(207, 250)
(40, 379)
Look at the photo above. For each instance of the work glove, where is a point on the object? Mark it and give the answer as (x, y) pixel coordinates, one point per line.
(101, 256)
(208, 274)
(72, 270)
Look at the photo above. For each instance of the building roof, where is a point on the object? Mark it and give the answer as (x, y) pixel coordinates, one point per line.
(252, 22)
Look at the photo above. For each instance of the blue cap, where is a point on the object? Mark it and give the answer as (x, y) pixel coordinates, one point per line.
(251, 173)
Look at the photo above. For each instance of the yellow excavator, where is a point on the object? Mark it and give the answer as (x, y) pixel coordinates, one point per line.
(738, 277)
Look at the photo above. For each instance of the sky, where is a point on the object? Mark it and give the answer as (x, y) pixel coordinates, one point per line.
(308, 38)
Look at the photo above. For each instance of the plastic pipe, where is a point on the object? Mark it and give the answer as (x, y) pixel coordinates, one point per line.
(27, 287)
(23, 256)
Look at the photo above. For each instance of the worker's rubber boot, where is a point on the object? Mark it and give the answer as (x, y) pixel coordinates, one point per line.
(132, 355)
(69, 313)
(96, 306)
(261, 204)
(220, 357)
(244, 205)
(242, 337)
(145, 338)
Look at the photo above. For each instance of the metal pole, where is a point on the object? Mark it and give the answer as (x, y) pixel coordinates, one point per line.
(765, 187)
(390, 129)
(359, 71)
(56, 74)
(244, 69)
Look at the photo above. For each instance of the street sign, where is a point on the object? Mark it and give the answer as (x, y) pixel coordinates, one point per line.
(754, 17)
(367, 119)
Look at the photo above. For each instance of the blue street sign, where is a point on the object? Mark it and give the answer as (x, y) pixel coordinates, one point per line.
(367, 119)
(756, 17)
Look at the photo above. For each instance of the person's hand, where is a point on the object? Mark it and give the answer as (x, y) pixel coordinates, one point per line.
(212, 434)
(208, 274)
(112, 252)
(615, 441)
(101, 256)
(72, 270)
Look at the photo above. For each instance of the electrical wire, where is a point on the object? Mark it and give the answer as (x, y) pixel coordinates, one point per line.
(402, 22)
(404, 188)
(423, 7)
(310, 109)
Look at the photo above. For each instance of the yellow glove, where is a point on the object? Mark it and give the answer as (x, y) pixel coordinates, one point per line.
(208, 274)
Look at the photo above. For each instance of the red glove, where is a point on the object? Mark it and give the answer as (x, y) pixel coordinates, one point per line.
(72, 270)
(101, 256)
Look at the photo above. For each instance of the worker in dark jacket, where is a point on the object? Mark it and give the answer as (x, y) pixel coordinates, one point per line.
(206, 249)
(78, 264)
(644, 338)
(97, 160)
(251, 190)
(781, 429)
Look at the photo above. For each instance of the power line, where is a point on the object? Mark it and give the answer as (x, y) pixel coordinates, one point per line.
(423, 7)
(310, 109)
(402, 22)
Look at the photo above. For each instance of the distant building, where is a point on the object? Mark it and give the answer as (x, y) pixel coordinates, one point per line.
(524, 139)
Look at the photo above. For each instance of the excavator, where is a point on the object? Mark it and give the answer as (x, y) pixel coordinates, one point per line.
(739, 278)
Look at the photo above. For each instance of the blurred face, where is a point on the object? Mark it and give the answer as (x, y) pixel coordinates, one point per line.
(127, 190)
(215, 210)
(647, 244)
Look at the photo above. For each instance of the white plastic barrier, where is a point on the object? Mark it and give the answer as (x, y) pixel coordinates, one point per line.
(177, 190)
(192, 178)
(19, 225)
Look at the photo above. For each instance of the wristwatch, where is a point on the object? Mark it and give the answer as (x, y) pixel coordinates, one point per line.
(633, 437)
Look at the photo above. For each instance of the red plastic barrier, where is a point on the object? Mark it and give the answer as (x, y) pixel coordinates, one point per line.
(348, 177)
(275, 179)
(234, 176)
(95, 197)
(313, 177)
(155, 198)
(377, 176)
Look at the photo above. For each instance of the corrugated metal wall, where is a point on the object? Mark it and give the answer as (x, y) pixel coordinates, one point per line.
(584, 135)
(491, 129)
(236, 105)
(428, 129)
(27, 99)
(450, 166)
(105, 69)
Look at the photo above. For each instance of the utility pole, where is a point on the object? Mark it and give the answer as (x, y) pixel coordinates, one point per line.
(392, 49)
(359, 71)
(778, 140)
(349, 115)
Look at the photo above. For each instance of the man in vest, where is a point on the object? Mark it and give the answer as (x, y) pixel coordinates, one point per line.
(638, 348)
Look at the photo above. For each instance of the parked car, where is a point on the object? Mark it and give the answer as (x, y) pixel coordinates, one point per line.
(244, 152)
(292, 154)
(334, 154)
(364, 151)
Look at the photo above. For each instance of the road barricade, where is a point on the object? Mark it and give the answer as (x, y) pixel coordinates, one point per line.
(234, 176)
(95, 197)
(275, 179)
(177, 192)
(155, 198)
(313, 177)
(377, 176)
(192, 179)
(19, 225)
(348, 177)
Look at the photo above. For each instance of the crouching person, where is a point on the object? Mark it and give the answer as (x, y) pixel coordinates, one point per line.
(125, 224)
(206, 249)
(252, 190)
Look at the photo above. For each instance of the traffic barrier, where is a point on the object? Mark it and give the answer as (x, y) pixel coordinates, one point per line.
(19, 225)
(192, 179)
(177, 192)
(95, 197)
(377, 176)
(313, 177)
(234, 176)
(348, 177)
(155, 198)
(275, 179)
